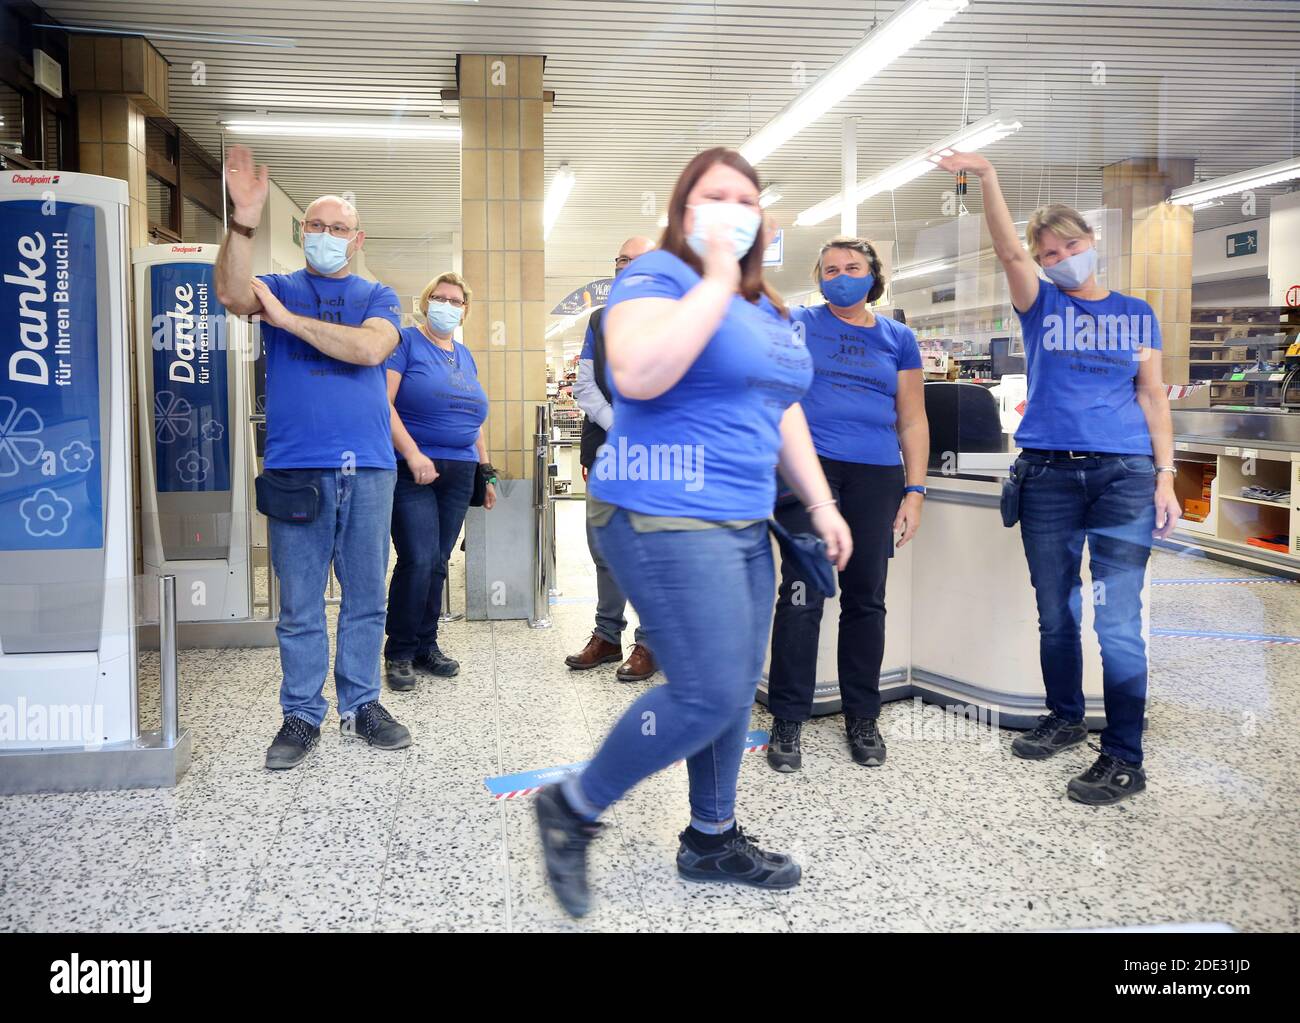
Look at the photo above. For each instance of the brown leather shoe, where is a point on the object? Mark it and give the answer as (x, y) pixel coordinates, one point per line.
(598, 651)
(638, 667)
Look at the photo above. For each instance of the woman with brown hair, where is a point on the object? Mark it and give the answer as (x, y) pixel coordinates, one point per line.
(437, 408)
(706, 373)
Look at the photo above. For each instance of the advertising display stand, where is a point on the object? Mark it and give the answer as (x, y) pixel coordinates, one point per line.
(68, 695)
(196, 446)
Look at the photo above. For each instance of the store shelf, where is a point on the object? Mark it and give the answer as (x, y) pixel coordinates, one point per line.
(1251, 500)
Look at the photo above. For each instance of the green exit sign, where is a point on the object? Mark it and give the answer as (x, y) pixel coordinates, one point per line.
(1244, 243)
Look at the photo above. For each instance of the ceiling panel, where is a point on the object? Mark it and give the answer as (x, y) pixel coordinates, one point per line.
(640, 86)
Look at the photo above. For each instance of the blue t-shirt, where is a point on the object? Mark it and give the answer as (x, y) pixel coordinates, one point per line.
(440, 401)
(851, 405)
(707, 447)
(1082, 361)
(588, 343)
(322, 413)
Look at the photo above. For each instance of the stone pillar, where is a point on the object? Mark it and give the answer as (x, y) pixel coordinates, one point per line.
(118, 81)
(1156, 244)
(503, 187)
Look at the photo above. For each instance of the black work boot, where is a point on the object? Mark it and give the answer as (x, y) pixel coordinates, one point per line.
(565, 837)
(378, 727)
(435, 662)
(865, 741)
(784, 753)
(1051, 735)
(399, 676)
(291, 744)
(1107, 782)
(734, 858)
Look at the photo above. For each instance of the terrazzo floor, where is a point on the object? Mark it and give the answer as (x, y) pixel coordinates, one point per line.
(951, 834)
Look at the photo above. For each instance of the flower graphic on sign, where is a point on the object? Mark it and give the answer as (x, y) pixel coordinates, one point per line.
(171, 417)
(193, 467)
(212, 430)
(20, 437)
(45, 513)
(77, 457)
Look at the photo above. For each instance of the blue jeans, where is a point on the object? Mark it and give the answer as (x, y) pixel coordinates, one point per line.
(705, 601)
(350, 530)
(1108, 501)
(426, 522)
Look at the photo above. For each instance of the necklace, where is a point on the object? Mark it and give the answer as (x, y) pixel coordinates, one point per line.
(450, 356)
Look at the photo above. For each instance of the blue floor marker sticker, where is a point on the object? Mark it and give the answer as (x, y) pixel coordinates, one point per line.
(1229, 637)
(525, 783)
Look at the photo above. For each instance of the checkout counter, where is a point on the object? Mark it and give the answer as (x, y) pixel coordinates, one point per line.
(962, 625)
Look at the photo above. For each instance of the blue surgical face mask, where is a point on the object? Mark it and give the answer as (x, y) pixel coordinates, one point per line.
(738, 221)
(325, 253)
(1072, 273)
(443, 317)
(845, 291)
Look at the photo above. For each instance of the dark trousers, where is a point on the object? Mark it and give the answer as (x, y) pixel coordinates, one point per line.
(868, 496)
(426, 521)
(1109, 502)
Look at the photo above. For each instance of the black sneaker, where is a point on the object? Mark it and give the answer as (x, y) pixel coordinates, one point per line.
(1107, 781)
(378, 727)
(1051, 735)
(784, 753)
(291, 744)
(565, 837)
(435, 662)
(736, 860)
(865, 741)
(399, 676)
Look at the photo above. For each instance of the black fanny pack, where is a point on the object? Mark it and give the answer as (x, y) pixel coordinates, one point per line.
(1011, 497)
(286, 495)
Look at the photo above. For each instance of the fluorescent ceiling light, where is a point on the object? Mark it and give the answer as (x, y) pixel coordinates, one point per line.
(1231, 184)
(770, 195)
(565, 322)
(974, 136)
(1208, 204)
(338, 126)
(889, 40)
(930, 266)
(175, 35)
(556, 196)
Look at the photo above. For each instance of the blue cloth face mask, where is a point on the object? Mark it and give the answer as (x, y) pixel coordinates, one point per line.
(443, 317)
(737, 221)
(844, 291)
(1072, 273)
(325, 253)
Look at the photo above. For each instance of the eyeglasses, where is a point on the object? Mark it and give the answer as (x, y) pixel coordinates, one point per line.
(337, 230)
(459, 303)
(622, 261)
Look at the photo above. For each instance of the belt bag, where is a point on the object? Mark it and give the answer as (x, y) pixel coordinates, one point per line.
(283, 495)
(1011, 499)
(808, 554)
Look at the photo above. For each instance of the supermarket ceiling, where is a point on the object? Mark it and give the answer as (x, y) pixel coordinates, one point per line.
(643, 84)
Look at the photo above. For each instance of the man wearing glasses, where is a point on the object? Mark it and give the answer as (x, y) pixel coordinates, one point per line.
(591, 392)
(329, 471)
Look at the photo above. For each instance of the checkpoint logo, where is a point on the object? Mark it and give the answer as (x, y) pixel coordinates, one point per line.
(35, 179)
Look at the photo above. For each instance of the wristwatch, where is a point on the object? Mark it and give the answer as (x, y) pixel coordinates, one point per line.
(915, 488)
(239, 228)
(1171, 469)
